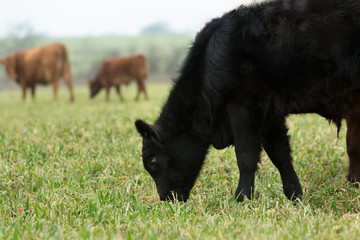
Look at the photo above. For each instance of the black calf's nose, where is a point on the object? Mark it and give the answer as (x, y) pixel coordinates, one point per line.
(171, 196)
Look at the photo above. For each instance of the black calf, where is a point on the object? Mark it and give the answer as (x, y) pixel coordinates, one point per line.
(247, 71)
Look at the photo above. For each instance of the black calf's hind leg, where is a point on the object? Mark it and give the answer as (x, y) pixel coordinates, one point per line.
(247, 148)
(353, 147)
(277, 146)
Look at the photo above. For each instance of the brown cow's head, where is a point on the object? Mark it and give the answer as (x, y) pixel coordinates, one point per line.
(10, 66)
(95, 87)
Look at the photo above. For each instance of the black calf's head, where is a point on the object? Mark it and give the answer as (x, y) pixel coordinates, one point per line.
(173, 163)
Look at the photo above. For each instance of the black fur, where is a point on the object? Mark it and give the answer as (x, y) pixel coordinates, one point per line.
(245, 72)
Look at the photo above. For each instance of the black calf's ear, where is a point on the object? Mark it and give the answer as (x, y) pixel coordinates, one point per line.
(146, 130)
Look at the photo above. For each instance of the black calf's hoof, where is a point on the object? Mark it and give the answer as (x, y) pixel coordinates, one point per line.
(240, 197)
(355, 180)
(293, 192)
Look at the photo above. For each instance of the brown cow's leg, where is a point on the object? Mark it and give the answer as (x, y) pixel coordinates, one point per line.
(353, 146)
(68, 79)
(107, 92)
(141, 88)
(23, 88)
(33, 92)
(70, 86)
(55, 87)
(118, 90)
(23, 93)
(138, 92)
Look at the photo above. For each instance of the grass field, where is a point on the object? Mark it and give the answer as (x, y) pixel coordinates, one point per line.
(73, 171)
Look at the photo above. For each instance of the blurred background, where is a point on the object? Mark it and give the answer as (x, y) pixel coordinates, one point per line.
(92, 31)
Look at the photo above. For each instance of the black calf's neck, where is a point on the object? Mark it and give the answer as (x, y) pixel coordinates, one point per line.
(183, 104)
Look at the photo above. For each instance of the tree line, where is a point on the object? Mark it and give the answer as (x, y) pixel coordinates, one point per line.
(164, 52)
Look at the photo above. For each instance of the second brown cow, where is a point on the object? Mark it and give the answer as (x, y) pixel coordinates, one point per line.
(120, 70)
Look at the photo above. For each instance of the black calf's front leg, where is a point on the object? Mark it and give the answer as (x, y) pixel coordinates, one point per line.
(247, 148)
(247, 163)
(276, 144)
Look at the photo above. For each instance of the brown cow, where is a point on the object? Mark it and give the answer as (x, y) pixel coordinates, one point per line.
(120, 70)
(43, 65)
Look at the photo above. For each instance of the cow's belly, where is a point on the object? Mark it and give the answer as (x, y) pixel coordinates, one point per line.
(43, 77)
(327, 105)
(122, 80)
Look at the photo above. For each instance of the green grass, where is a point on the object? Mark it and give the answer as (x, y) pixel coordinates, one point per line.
(73, 171)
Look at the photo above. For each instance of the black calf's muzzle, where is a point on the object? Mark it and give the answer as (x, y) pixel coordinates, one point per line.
(172, 195)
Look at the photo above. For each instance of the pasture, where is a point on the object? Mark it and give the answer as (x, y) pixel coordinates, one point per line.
(74, 171)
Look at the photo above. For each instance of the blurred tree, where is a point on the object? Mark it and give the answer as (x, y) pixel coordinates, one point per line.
(113, 53)
(156, 28)
(21, 36)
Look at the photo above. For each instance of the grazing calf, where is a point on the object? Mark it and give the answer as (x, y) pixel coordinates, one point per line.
(41, 65)
(121, 70)
(245, 73)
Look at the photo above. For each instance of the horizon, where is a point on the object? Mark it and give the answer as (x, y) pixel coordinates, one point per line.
(110, 17)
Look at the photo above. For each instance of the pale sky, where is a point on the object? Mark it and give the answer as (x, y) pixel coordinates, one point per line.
(98, 17)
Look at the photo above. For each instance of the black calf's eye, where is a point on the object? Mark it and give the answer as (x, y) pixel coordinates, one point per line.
(153, 163)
